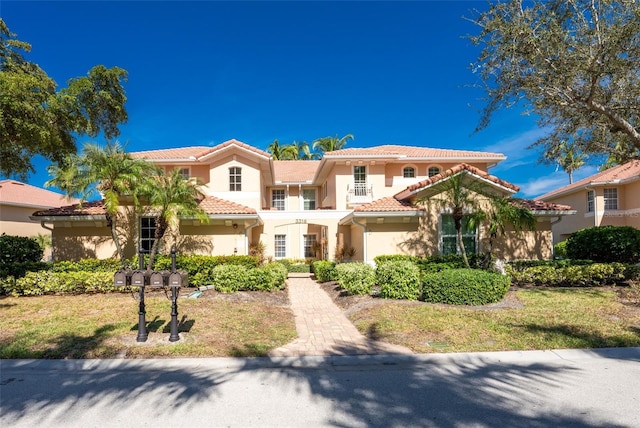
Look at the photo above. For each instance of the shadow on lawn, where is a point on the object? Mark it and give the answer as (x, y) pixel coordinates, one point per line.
(585, 338)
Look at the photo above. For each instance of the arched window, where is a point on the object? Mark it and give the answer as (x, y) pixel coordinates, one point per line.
(409, 172)
(433, 170)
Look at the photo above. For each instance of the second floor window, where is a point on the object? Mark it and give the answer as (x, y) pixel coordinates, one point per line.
(360, 180)
(277, 199)
(235, 179)
(409, 172)
(309, 197)
(590, 201)
(433, 170)
(611, 199)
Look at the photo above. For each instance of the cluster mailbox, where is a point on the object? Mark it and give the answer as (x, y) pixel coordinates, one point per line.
(157, 279)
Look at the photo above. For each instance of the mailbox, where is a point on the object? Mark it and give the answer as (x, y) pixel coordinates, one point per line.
(158, 279)
(122, 278)
(178, 279)
(137, 278)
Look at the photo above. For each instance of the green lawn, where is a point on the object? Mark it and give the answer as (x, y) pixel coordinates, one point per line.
(549, 318)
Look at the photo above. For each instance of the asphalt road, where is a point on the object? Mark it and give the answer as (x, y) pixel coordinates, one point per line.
(568, 388)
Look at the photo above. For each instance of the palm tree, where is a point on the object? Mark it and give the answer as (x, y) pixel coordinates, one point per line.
(275, 150)
(170, 197)
(307, 154)
(461, 201)
(505, 211)
(108, 170)
(570, 159)
(329, 144)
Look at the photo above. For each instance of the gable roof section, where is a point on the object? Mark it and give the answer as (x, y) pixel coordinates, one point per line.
(438, 178)
(211, 205)
(20, 194)
(415, 153)
(541, 207)
(619, 174)
(388, 204)
(294, 171)
(195, 153)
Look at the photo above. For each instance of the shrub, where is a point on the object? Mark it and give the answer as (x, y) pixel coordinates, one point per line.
(50, 282)
(560, 250)
(19, 254)
(394, 257)
(398, 279)
(572, 275)
(605, 244)
(88, 265)
(230, 278)
(465, 287)
(269, 277)
(325, 270)
(356, 278)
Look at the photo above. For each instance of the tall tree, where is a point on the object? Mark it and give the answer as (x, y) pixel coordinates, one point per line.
(37, 119)
(169, 197)
(108, 170)
(329, 144)
(573, 63)
(306, 153)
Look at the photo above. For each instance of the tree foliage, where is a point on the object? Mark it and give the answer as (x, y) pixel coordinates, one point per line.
(574, 63)
(329, 144)
(39, 119)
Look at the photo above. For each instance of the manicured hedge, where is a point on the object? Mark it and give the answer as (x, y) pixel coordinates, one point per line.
(232, 278)
(398, 279)
(50, 282)
(464, 287)
(356, 278)
(571, 275)
(325, 270)
(605, 244)
(18, 255)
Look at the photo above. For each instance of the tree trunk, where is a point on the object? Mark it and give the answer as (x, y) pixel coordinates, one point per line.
(457, 221)
(161, 228)
(114, 236)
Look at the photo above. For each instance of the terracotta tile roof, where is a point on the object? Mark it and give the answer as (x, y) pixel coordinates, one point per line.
(214, 205)
(191, 154)
(413, 152)
(452, 171)
(210, 205)
(535, 205)
(294, 171)
(625, 172)
(386, 205)
(88, 208)
(13, 192)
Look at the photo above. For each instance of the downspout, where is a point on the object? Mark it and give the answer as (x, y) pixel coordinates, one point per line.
(43, 225)
(364, 238)
(246, 235)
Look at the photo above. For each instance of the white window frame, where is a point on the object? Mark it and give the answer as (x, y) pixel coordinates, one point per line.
(442, 236)
(407, 169)
(279, 203)
(610, 195)
(433, 167)
(591, 201)
(279, 246)
(309, 241)
(305, 200)
(360, 180)
(235, 179)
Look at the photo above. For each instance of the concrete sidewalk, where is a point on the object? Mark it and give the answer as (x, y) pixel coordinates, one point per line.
(323, 330)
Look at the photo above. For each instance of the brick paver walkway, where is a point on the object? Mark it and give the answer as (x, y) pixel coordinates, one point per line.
(322, 327)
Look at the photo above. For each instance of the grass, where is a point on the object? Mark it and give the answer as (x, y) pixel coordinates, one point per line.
(106, 325)
(550, 318)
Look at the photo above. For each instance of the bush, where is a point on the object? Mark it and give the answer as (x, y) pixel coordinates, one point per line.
(398, 280)
(269, 277)
(465, 287)
(88, 265)
(356, 278)
(605, 244)
(394, 257)
(19, 254)
(572, 275)
(560, 250)
(230, 278)
(325, 270)
(50, 282)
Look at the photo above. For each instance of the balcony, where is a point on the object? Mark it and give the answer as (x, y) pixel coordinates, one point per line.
(359, 193)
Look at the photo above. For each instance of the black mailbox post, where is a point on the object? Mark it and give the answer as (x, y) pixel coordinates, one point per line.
(139, 278)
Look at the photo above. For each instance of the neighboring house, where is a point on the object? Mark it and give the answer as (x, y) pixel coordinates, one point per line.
(610, 197)
(357, 203)
(17, 203)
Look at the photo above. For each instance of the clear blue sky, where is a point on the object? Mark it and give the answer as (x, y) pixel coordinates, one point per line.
(203, 72)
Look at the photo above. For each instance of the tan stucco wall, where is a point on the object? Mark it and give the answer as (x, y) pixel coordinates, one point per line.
(252, 182)
(524, 245)
(15, 221)
(82, 241)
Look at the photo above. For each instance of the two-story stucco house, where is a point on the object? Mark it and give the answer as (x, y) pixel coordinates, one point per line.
(608, 198)
(358, 203)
